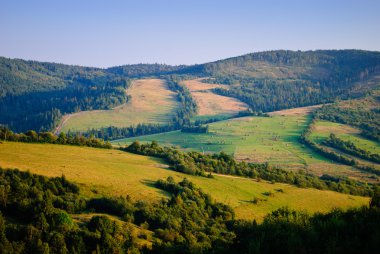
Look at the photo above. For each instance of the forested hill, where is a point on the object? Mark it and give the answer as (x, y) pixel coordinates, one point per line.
(143, 70)
(35, 95)
(276, 80)
(312, 65)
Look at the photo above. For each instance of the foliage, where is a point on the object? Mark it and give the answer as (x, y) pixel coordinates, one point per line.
(274, 80)
(287, 231)
(200, 164)
(195, 129)
(36, 211)
(368, 120)
(188, 106)
(36, 218)
(48, 137)
(350, 148)
(35, 95)
(305, 139)
(112, 133)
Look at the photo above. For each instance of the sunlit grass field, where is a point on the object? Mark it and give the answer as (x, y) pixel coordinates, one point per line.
(323, 129)
(115, 173)
(151, 102)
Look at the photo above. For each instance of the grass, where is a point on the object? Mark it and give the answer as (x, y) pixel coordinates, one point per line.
(322, 129)
(345, 132)
(210, 103)
(112, 172)
(151, 102)
(259, 139)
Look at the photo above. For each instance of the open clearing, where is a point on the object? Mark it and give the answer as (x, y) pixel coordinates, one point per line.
(151, 102)
(114, 172)
(210, 103)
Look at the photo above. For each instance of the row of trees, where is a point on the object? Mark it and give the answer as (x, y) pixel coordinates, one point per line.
(367, 119)
(195, 129)
(196, 163)
(112, 132)
(188, 106)
(305, 139)
(350, 148)
(48, 137)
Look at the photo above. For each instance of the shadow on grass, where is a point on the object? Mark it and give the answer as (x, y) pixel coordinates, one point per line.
(152, 184)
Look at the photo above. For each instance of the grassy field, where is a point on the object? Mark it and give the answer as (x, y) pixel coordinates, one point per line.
(273, 139)
(323, 129)
(210, 103)
(151, 102)
(112, 172)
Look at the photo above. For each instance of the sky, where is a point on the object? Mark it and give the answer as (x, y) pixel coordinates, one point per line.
(105, 33)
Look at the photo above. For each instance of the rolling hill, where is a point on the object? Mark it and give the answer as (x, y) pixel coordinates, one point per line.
(115, 173)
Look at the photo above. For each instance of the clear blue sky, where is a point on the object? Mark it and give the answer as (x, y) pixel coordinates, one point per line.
(114, 32)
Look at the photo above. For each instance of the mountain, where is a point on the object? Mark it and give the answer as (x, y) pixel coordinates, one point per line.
(35, 95)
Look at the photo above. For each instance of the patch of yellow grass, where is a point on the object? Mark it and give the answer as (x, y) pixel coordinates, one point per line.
(198, 85)
(210, 103)
(326, 127)
(151, 102)
(112, 172)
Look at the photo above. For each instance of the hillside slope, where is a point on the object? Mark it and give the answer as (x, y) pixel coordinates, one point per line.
(116, 173)
(35, 95)
(151, 102)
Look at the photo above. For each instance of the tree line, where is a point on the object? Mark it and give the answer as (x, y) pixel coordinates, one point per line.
(350, 148)
(195, 129)
(367, 120)
(305, 139)
(48, 137)
(196, 163)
